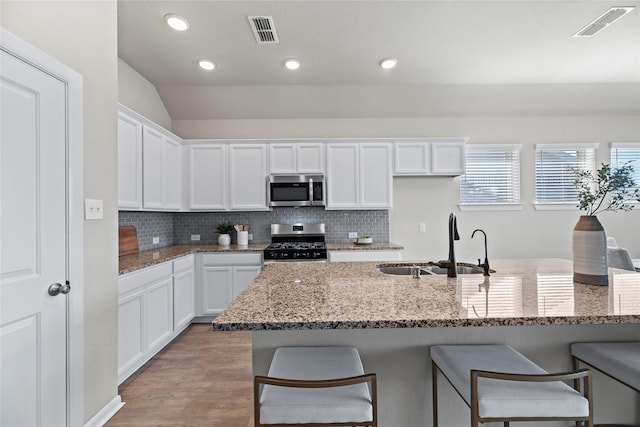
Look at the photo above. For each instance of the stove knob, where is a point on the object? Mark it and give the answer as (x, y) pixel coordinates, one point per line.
(296, 255)
(306, 254)
(284, 255)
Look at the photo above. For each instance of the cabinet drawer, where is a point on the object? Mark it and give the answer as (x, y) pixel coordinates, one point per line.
(138, 279)
(183, 264)
(232, 259)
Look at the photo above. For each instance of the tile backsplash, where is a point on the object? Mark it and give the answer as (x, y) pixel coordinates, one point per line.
(177, 228)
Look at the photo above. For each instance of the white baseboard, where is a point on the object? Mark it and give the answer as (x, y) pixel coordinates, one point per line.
(106, 413)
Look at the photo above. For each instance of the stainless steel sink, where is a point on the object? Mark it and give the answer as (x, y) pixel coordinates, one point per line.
(426, 270)
(405, 271)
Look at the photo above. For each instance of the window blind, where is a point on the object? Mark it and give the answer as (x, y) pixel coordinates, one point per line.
(554, 176)
(622, 155)
(492, 176)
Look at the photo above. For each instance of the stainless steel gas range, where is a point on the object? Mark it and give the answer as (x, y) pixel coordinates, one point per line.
(296, 242)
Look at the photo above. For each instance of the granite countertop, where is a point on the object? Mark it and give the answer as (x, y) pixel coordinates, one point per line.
(385, 246)
(133, 262)
(355, 295)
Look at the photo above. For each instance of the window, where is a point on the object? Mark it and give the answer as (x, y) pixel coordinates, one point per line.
(622, 153)
(555, 188)
(492, 178)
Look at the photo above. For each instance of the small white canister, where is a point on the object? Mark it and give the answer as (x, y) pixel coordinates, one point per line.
(243, 238)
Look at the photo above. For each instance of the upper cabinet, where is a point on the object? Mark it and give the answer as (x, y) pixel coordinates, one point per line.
(359, 175)
(149, 165)
(129, 162)
(431, 156)
(247, 177)
(303, 157)
(227, 177)
(161, 170)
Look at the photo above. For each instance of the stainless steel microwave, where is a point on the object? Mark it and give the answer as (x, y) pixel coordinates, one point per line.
(296, 190)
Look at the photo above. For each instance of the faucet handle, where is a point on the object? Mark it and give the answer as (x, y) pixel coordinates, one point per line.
(479, 263)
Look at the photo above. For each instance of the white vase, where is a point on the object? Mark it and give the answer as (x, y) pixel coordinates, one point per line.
(224, 240)
(590, 252)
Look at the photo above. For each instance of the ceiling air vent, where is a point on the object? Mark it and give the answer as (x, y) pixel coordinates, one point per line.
(263, 29)
(602, 21)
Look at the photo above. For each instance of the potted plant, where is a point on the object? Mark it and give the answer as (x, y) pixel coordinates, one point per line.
(605, 190)
(224, 228)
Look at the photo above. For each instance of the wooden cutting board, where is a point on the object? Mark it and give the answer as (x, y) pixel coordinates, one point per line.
(127, 240)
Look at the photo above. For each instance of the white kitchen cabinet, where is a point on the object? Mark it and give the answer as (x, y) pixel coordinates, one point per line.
(129, 162)
(145, 316)
(183, 292)
(208, 177)
(223, 277)
(247, 177)
(342, 179)
(161, 170)
(376, 176)
(290, 158)
(359, 176)
(155, 304)
(431, 156)
(448, 158)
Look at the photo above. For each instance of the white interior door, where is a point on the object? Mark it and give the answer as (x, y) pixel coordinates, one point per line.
(33, 328)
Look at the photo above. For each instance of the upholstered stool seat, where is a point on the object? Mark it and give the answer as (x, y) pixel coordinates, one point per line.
(500, 384)
(316, 386)
(618, 360)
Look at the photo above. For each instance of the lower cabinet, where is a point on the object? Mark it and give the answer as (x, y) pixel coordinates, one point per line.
(223, 277)
(154, 305)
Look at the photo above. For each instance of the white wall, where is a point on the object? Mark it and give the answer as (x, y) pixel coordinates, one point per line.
(83, 35)
(139, 94)
(526, 233)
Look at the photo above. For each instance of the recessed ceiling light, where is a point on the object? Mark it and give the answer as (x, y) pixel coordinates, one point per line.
(206, 64)
(292, 63)
(388, 63)
(176, 22)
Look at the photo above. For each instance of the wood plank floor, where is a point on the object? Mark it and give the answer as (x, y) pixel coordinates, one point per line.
(202, 378)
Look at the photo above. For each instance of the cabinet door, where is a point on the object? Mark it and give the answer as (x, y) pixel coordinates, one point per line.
(412, 158)
(217, 289)
(310, 158)
(183, 306)
(282, 158)
(152, 165)
(376, 179)
(207, 177)
(129, 162)
(242, 276)
(248, 177)
(172, 174)
(342, 176)
(131, 344)
(159, 314)
(448, 158)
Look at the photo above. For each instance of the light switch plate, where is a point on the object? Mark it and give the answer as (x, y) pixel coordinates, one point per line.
(156, 240)
(93, 209)
(195, 237)
(353, 234)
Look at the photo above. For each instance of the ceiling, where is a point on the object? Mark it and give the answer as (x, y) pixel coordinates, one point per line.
(465, 50)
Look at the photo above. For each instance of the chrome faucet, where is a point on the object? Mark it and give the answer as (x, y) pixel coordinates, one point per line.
(485, 265)
(451, 264)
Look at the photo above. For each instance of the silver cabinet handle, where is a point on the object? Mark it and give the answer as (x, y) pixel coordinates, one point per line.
(57, 288)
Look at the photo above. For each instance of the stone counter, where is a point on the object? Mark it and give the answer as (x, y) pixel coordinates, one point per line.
(133, 262)
(307, 296)
(384, 246)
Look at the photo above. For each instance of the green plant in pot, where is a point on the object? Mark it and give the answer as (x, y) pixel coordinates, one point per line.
(224, 228)
(604, 190)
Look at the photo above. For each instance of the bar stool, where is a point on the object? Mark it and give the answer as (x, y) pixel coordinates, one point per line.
(315, 386)
(618, 360)
(500, 384)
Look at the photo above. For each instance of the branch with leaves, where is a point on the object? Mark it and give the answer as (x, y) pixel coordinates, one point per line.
(608, 190)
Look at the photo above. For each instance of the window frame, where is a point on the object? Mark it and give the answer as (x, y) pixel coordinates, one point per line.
(636, 165)
(515, 182)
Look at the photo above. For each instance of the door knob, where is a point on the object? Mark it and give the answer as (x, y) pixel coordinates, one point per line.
(57, 288)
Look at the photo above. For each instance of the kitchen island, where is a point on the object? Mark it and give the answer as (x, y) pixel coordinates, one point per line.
(531, 304)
